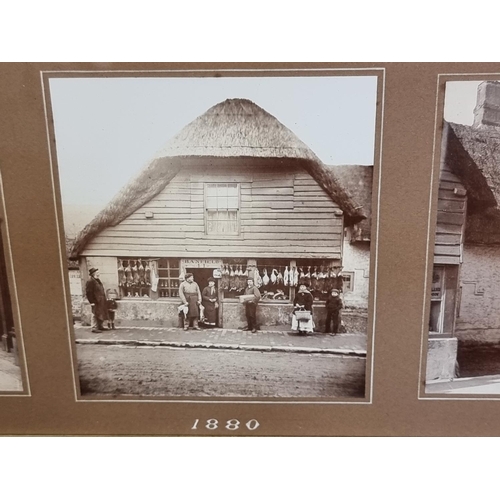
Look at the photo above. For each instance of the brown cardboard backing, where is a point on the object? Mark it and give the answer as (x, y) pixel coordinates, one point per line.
(401, 300)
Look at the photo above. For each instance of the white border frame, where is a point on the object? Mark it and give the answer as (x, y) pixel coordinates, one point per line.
(209, 72)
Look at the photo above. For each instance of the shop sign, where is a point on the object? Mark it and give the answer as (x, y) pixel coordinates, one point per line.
(217, 273)
(201, 263)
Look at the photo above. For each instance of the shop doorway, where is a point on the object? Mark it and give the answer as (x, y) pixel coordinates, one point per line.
(201, 276)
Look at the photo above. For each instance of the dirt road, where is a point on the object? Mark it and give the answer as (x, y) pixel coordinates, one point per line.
(118, 370)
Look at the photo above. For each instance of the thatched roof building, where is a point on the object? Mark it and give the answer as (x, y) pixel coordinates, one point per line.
(234, 128)
(473, 154)
(358, 181)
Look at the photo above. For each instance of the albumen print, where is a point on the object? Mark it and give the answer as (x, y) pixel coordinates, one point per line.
(11, 380)
(464, 324)
(219, 232)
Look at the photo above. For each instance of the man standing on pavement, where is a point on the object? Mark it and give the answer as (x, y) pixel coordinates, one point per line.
(190, 294)
(251, 306)
(333, 306)
(94, 290)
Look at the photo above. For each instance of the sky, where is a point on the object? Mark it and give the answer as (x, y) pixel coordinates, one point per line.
(107, 129)
(460, 101)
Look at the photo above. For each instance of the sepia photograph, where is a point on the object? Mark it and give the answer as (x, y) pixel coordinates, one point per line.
(464, 325)
(219, 232)
(11, 379)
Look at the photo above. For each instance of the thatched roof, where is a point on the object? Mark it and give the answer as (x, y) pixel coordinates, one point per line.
(234, 128)
(70, 263)
(358, 181)
(473, 154)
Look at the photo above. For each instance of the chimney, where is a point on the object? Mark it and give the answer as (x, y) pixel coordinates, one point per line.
(487, 110)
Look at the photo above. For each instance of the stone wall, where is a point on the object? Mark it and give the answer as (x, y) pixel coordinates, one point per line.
(479, 308)
(164, 313)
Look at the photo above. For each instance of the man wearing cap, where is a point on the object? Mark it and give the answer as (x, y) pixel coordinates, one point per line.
(96, 295)
(251, 305)
(190, 294)
(333, 306)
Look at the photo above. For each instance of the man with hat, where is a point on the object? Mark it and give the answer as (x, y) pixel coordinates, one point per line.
(96, 295)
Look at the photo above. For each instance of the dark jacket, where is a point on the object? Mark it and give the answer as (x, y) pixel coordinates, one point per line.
(112, 305)
(333, 303)
(96, 295)
(304, 299)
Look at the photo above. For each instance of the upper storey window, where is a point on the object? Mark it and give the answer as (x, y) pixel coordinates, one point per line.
(222, 207)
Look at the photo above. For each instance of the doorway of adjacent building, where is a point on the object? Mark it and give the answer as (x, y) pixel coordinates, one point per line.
(436, 319)
(201, 276)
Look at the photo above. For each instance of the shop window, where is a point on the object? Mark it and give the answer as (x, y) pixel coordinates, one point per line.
(278, 278)
(320, 276)
(276, 286)
(234, 275)
(135, 277)
(222, 203)
(145, 277)
(168, 273)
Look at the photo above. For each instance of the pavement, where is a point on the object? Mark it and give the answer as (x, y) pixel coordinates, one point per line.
(347, 344)
(488, 384)
(10, 374)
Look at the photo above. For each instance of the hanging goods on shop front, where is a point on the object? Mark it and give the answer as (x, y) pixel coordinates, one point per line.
(265, 278)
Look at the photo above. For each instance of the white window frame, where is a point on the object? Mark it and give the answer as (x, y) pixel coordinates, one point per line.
(238, 209)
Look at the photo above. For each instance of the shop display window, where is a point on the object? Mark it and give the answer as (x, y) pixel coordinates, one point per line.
(143, 277)
(321, 276)
(234, 275)
(168, 272)
(275, 277)
(134, 277)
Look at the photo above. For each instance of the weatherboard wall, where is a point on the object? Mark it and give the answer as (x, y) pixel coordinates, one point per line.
(284, 213)
(451, 212)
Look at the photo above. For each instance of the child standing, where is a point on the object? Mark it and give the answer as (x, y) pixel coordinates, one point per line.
(112, 306)
(333, 307)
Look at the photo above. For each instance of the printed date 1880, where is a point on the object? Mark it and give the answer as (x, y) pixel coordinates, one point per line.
(232, 424)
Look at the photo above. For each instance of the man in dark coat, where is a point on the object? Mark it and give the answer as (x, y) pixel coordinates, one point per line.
(251, 305)
(333, 307)
(96, 295)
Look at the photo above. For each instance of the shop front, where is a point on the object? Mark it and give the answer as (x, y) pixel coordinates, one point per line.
(149, 287)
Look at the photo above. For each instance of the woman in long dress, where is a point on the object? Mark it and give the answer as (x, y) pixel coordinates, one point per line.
(303, 302)
(209, 300)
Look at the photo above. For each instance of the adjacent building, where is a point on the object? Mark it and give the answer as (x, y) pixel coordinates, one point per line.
(465, 297)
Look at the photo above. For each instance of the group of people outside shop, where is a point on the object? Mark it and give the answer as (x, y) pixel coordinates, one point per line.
(197, 305)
